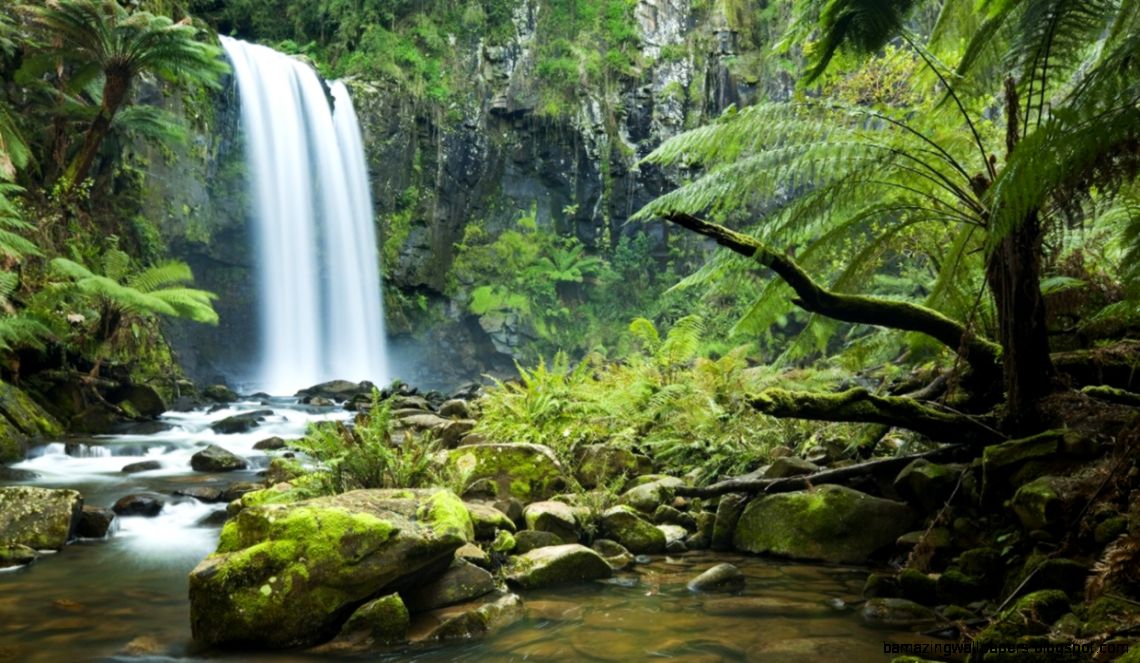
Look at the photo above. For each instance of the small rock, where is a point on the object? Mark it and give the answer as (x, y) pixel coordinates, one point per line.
(216, 459)
(895, 613)
(720, 578)
(95, 522)
(473, 554)
(488, 520)
(139, 504)
(728, 511)
(648, 496)
(14, 554)
(207, 494)
(270, 444)
(240, 423)
(141, 466)
(383, 621)
(616, 554)
(667, 515)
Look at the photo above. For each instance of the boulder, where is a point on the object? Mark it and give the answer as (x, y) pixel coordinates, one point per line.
(455, 407)
(790, 466)
(216, 459)
(728, 511)
(22, 419)
(219, 393)
(616, 554)
(648, 496)
(1038, 504)
(488, 520)
(830, 523)
(473, 554)
(468, 621)
(626, 526)
(554, 517)
(667, 515)
(927, 484)
(141, 466)
(270, 444)
(557, 565)
(675, 536)
(139, 504)
(529, 539)
(600, 464)
(140, 399)
(720, 578)
(895, 613)
(286, 574)
(337, 390)
(240, 423)
(453, 431)
(39, 518)
(422, 421)
(380, 622)
(95, 522)
(529, 472)
(15, 554)
(460, 582)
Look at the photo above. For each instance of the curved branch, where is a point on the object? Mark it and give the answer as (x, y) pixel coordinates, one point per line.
(981, 354)
(860, 405)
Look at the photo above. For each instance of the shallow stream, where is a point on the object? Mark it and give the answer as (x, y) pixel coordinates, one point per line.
(124, 597)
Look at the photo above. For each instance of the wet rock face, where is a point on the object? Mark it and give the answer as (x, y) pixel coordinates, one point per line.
(287, 574)
(139, 504)
(39, 518)
(557, 565)
(830, 523)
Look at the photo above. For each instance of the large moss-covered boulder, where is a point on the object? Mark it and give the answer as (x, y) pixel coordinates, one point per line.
(557, 565)
(289, 574)
(529, 472)
(39, 518)
(830, 523)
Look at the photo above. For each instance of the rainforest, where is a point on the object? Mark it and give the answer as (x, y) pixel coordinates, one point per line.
(606, 330)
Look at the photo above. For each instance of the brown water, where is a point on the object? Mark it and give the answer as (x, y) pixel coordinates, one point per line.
(124, 598)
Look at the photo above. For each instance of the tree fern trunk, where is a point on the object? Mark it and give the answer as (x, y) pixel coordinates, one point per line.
(1014, 276)
(115, 89)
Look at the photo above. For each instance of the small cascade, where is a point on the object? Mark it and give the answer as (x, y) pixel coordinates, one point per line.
(319, 287)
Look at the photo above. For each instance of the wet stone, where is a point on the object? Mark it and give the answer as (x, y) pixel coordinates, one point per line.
(720, 578)
(141, 466)
(139, 504)
(95, 522)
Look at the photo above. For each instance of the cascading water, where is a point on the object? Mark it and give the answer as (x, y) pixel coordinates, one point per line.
(318, 273)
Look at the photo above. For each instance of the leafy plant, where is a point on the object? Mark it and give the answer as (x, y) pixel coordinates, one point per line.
(364, 456)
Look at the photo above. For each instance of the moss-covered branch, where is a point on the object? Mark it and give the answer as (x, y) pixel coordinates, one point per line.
(841, 475)
(860, 405)
(981, 354)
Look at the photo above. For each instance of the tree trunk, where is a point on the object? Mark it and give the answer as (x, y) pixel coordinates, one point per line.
(1014, 276)
(115, 88)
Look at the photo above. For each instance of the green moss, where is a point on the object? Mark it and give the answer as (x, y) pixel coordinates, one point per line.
(626, 526)
(504, 542)
(1037, 503)
(448, 515)
(384, 620)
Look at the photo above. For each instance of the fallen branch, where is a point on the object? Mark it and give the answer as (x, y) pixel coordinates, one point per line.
(861, 406)
(981, 354)
(837, 475)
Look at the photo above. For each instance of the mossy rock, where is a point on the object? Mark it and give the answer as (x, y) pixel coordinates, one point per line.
(470, 620)
(601, 464)
(830, 523)
(555, 517)
(1024, 625)
(288, 574)
(557, 565)
(955, 586)
(1039, 503)
(529, 472)
(927, 484)
(649, 495)
(1107, 614)
(383, 621)
(918, 587)
(1008, 454)
(895, 613)
(626, 526)
(39, 518)
(461, 582)
(728, 511)
(488, 520)
(26, 415)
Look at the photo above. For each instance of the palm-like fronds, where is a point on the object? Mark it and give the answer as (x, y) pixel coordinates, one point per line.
(13, 245)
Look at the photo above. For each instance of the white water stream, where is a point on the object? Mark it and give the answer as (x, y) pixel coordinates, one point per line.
(318, 266)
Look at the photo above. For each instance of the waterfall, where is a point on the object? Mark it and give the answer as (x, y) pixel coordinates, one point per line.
(318, 270)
